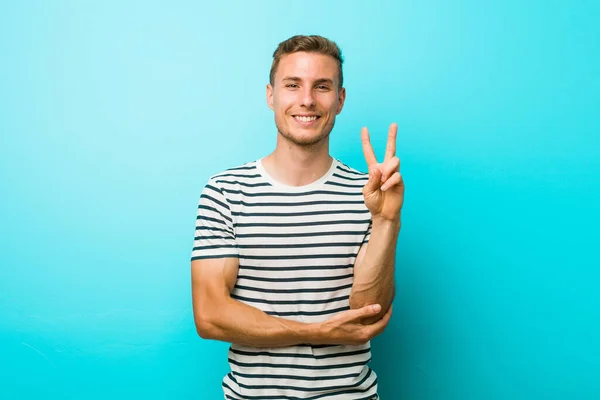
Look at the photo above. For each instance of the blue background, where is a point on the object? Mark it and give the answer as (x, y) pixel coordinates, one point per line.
(114, 114)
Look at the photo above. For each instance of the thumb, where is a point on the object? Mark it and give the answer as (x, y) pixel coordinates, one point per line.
(374, 182)
(358, 314)
(370, 310)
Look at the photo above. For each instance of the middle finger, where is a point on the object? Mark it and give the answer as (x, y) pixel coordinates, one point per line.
(390, 150)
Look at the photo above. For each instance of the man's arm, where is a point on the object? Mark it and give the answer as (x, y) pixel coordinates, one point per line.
(384, 197)
(220, 317)
(374, 268)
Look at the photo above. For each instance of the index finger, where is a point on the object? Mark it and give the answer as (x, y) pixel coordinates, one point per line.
(367, 148)
(390, 150)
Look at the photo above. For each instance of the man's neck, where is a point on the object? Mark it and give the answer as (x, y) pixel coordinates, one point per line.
(295, 165)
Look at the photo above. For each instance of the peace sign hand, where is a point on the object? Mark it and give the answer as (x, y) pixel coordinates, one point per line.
(384, 192)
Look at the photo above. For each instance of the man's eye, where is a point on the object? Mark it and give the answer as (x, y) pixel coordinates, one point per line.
(322, 87)
(291, 85)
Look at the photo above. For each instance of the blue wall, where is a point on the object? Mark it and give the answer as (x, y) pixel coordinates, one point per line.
(114, 114)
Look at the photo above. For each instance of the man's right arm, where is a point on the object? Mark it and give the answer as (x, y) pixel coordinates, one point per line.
(220, 317)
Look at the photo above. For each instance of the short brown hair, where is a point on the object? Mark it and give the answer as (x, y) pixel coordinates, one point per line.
(311, 44)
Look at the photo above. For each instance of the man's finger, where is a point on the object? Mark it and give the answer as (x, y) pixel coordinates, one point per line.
(394, 180)
(379, 326)
(389, 167)
(360, 313)
(390, 150)
(372, 309)
(363, 312)
(367, 148)
(374, 182)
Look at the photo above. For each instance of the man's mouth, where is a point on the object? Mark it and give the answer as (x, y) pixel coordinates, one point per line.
(306, 119)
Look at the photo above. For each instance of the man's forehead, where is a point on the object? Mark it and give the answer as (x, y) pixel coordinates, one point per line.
(303, 65)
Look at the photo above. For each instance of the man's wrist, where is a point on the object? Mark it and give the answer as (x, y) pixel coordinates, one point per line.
(314, 333)
(380, 222)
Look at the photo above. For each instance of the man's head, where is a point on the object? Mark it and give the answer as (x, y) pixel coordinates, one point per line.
(305, 89)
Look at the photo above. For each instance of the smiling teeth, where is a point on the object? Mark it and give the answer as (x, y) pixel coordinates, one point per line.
(306, 119)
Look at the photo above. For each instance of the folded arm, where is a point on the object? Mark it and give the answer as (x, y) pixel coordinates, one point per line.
(218, 316)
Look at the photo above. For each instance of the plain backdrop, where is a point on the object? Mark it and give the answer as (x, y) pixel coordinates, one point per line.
(113, 114)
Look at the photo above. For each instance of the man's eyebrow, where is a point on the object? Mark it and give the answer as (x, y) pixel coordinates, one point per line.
(324, 80)
(297, 79)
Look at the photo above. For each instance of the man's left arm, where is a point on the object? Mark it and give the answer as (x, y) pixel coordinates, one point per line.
(374, 268)
(384, 197)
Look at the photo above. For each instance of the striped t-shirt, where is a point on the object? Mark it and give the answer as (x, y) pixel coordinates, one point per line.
(296, 248)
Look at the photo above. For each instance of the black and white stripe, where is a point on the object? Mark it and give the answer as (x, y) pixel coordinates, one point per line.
(296, 248)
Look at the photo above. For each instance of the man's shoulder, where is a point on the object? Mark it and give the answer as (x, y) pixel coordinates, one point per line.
(239, 172)
(350, 171)
(232, 180)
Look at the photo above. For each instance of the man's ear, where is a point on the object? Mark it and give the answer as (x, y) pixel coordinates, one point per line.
(341, 100)
(270, 96)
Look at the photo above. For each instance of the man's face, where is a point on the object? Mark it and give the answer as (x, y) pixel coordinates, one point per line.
(305, 97)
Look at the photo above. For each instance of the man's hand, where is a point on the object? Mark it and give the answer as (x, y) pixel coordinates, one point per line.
(347, 328)
(384, 192)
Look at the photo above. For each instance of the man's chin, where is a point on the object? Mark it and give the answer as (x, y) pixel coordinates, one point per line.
(305, 137)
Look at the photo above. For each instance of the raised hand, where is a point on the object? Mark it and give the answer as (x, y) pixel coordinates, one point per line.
(384, 192)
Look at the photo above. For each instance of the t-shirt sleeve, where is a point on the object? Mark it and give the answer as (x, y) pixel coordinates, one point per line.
(214, 236)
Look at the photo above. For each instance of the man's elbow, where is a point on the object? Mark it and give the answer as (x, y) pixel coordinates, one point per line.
(361, 296)
(357, 301)
(205, 326)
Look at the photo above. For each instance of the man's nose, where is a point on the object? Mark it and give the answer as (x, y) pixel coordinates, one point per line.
(307, 100)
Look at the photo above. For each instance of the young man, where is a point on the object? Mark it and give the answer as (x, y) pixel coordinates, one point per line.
(293, 259)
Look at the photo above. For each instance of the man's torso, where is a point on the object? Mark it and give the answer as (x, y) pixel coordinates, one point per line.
(296, 248)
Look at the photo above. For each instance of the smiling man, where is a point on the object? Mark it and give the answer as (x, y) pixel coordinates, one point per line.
(293, 258)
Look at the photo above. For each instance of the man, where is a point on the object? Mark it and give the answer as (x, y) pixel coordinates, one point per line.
(293, 259)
